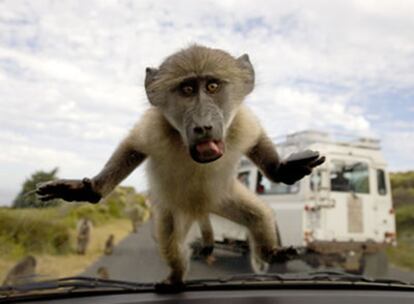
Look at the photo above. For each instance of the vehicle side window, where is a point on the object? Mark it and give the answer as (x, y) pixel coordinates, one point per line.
(265, 186)
(349, 177)
(244, 177)
(382, 187)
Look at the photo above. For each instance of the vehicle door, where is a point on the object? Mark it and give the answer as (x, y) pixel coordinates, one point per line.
(352, 218)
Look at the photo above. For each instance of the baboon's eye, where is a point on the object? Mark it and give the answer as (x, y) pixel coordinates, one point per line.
(188, 88)
(212, 86)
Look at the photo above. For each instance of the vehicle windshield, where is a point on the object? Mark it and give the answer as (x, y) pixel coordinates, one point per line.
(146, 141)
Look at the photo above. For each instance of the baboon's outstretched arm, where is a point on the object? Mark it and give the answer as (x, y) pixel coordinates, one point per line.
(122, 162)
(287, 171)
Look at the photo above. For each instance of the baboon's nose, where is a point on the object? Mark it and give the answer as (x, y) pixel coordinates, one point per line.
(204, 130)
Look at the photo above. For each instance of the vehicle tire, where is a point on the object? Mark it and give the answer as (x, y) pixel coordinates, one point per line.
(375, 264)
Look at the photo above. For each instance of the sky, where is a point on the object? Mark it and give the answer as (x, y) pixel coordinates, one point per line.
(71, 73)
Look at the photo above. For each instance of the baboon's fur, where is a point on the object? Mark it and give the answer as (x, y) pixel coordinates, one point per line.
(83, 235)
(103, 273)
(109, 245)
(21, 273)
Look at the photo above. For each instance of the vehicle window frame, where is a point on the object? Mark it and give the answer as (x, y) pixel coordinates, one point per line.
(348, 162)
(384, 182)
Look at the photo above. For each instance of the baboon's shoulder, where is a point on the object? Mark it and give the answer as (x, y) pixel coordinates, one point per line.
(244, 130)
(153, 133)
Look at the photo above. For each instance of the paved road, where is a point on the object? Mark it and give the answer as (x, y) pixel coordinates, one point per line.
(136, 258)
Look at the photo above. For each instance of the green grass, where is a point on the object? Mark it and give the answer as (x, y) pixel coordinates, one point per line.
(49, 230)
(403, 254)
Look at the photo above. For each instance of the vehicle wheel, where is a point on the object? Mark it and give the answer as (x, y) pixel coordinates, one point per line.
(375, 264)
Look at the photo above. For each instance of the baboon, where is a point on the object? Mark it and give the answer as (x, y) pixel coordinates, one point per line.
(84, 234)
(136, 214)
(21, 273)
(103, 273)
(109, 245)
(193, 137)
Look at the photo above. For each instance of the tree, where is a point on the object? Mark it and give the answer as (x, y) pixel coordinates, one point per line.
(27, 197)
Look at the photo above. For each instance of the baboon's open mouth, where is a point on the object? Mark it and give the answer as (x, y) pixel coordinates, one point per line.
(207, 151)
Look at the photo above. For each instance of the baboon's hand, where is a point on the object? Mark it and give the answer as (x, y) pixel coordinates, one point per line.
(69, 190)
(298, 165)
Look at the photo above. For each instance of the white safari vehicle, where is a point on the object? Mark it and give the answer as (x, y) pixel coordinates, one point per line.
(341, 215)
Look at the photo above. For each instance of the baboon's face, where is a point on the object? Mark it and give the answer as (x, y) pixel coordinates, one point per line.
(201, 102)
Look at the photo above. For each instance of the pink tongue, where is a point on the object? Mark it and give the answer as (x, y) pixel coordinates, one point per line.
(208, 147)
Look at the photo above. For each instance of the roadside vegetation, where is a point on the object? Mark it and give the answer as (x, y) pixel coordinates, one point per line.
(49, 232)
(403, 197)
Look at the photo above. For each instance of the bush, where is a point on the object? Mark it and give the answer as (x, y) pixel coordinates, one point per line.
(405, 218)
(402, 184)
(49, 230)
(27, 197)
(34, 232)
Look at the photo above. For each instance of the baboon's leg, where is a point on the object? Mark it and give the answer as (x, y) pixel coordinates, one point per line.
(206, 231)
(244, 208)
(172, 230)
(82, 244)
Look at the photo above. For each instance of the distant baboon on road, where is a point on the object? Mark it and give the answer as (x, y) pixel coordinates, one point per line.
(109, 245)
(23, 272)
(84, 234)
(103, 273)
(136, 214)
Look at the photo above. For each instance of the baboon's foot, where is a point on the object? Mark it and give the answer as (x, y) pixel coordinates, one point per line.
(283, 255)
(170, 285)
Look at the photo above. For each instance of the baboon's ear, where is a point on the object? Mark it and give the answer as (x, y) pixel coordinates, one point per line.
(245, 64)
(150, 76)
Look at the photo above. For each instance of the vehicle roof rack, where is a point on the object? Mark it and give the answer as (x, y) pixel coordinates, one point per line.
(306, 137)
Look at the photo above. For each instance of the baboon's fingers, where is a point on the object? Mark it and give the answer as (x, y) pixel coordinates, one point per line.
(317, 162)
(44, 188)
(302, 158)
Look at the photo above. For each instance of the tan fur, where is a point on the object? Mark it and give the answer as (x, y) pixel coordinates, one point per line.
(103, 273)
(109, 245)
(175, 178)
(21, 273)
(84, 228)
(194, 61)
(184, 189)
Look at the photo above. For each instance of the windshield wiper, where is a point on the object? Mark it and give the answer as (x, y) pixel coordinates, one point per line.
(315, 277)
(72, 284)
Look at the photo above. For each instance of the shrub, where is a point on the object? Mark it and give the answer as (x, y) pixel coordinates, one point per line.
(34, 232)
